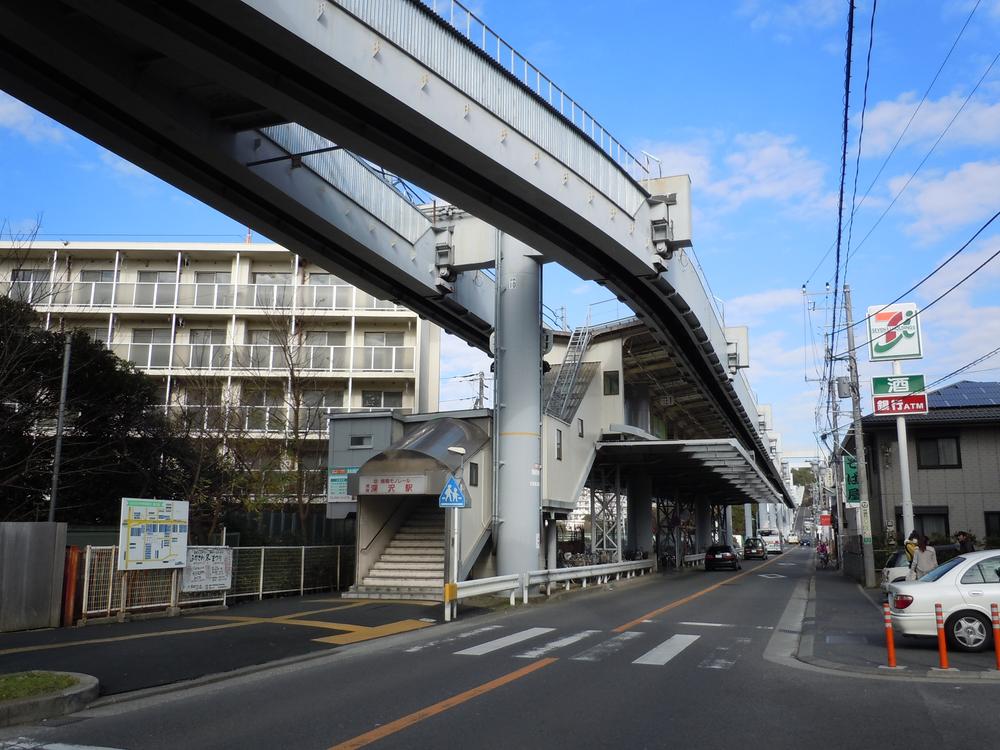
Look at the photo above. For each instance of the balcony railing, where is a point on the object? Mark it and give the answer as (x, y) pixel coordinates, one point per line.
(267, 357)
(236, 420)
(160, 295)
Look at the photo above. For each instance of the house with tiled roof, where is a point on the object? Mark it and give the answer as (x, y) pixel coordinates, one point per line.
(954, 456)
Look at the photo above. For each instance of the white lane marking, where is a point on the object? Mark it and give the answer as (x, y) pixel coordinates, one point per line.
(667, 650)
(451, 639)
(708, 624)
(608, 647)
(557, 644)
(787, 565)
(771, 575)
(26, 743)
(507, 640)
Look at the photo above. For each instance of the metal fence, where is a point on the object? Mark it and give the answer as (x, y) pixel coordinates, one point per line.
(257, 572)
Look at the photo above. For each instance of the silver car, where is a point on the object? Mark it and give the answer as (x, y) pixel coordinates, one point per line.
(965, 587)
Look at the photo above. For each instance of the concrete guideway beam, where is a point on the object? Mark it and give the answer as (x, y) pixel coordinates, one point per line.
(111, 99)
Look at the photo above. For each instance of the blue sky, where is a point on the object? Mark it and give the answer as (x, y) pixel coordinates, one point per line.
(746, 97)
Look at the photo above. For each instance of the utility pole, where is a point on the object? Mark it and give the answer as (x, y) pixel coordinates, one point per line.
(59, 429)
(479, 399)
(859, 446)
(835, 431)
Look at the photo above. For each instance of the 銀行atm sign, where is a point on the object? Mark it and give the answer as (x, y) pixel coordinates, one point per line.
(911, 403)
(894, 332)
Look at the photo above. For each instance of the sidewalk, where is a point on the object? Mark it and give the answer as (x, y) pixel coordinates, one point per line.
(148, 653)
(844, 630)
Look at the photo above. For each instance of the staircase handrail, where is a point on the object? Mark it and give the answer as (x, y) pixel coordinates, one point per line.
(384, 524)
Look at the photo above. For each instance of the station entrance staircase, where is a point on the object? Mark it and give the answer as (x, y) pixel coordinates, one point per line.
(412, 565)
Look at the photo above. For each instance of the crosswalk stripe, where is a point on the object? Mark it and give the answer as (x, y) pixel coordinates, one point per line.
(610, 646)
(508, 640)
(557, 644)
(450, 639)
(667, 650)
(724, 657)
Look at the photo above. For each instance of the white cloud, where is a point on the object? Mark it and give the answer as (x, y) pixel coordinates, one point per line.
(977, 125)
(783, 19)
(765, 166)
(120, 166)
(751, 309)
(692, 158)
(26, 122)
(942, 203)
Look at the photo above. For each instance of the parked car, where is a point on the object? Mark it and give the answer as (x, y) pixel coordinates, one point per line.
(754, 547)
(964, 586)
(721, 556)
(792, 538)
(895, 570)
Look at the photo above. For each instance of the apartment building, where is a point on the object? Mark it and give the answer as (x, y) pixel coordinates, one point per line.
(249, 338)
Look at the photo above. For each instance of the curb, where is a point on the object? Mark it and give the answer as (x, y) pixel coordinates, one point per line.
(67, 701)
(804, 654)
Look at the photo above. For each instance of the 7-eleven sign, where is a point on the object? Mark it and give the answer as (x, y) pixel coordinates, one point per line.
(894, 332)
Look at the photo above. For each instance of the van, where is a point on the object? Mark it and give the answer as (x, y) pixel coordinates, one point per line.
(772, 539)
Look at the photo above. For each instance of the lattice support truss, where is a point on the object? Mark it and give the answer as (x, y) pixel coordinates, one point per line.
(607, 512)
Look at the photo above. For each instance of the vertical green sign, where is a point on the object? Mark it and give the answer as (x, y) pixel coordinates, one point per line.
(852, 488)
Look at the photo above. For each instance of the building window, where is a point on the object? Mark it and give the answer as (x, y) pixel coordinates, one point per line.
(382, 399)
(272, 289)
(383, 338)
(579, 427)
(361, 441)
(29, 284)
(150, 347)
(558, 445)
(611, 383)
(473, 474)
(992, 524)
(938, 453)
(932, 521)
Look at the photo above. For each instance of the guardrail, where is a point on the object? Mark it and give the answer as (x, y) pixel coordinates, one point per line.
(693, 560)
(454, 592)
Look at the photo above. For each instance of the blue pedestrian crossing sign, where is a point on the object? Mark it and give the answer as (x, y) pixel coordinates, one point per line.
(452, 496)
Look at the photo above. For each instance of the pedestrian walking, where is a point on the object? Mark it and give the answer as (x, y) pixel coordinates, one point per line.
(924, 559)
(964, 543)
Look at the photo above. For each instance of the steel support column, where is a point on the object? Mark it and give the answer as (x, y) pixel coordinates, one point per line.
(639, 491)
(519, 403)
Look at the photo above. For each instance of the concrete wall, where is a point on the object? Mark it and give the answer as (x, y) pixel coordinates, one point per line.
(32, 556)
(968, 492)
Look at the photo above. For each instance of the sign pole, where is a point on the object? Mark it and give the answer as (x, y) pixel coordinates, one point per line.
(904, 464)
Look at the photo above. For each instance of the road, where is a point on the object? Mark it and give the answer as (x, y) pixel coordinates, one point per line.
(700, 660)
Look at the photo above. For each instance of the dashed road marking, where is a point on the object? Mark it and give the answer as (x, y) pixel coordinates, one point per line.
(557, 644)
(666, 650)
(453, 638)
(707, 624)
(507, 640)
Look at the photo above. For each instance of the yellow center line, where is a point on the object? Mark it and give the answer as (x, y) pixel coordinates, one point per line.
(691, 597)
(425, 713)
(117, 638)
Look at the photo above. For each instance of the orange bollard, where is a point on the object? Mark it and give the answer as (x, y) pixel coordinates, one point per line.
(890, 644)
(942, 644)
(995, 611)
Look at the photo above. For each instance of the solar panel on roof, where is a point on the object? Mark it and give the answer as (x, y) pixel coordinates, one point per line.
(963, 394)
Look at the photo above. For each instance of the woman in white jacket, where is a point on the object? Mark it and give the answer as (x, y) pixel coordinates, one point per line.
(924, 559)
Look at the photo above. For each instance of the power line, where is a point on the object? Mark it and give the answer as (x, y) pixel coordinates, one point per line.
(921, 102)
(962, 369)
(904, 131)
(931, 304)
(843, 167)
(926, 156)
(948, 260)
(861, 135)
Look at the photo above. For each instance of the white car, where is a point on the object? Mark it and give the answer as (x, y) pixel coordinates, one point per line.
(896, 569)
(792, 538)
(772, 540)
(965, 586)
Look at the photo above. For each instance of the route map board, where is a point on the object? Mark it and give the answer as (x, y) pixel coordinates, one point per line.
(153, 534)
(207, 569)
